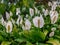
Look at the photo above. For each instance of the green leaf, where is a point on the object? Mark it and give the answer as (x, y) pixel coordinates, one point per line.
(28, 43)
(33, 35)
(5, 43)
(45, 32)
(1, 38)
(2, 8)
(53, 41)
(19, 40)
(12, 8)
(41, 44)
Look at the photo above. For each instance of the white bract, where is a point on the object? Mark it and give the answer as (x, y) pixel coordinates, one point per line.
(27, 25)
(54, 5)
(36, 10)
(46, 12)
(3, 22)
(18, 11)
(7, 15)
(26, 15)
(43, 10)
(19, 20)
(49, 4)
(51, 34)
(2, 1)
(38, 21)
(31, 11)
(53, 16)
(9, 27)
(11, 13)
(53, 29)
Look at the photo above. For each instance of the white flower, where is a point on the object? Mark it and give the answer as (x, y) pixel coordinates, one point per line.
(9, 3)
(3, 22)
(46, 12)
(18, 11)
(43, 10)
(53, 29)
(19, 20)
(36, 10)
(31, 11)
(2, 1)
(7, 15)
(51, 34)
(9, 27)
(49, 4)
(38, 21)
(11, 13)
(54, 2)
(53, 16)
(27, 25)
(14, 3)
(26, 15)
(54, 5)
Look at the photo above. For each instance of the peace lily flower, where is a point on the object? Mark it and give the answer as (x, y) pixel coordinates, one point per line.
(19, 20)
(26, 15)
(54, 5)
(9, 27)
(36, 10)
(53, 16)
(18, 11)
(54, 2)
(31, 11)
(53, 29)
(51, 34)
(49, 4)
(2, 1)
(27, 25)
(11, 13)
(46, 12)
(3, 22)
(38, 21)
(43, 10)
(7, 15)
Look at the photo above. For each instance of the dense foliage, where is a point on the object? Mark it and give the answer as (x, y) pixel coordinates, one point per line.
(26, 22)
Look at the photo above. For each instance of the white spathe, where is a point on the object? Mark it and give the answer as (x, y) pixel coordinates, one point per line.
(2, 1)
(9, 27)
(27, 25)
(53, 28)
(36, 10)
(11, 13)
(53, 16)
(19, 20)
(49, 4)
(54, 5)
(18, 11)
(7, 15)
(38, 21)
(51, 34)
(31, 11)
(46, 12)
(3, 22)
